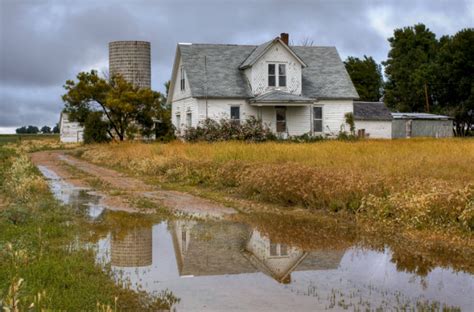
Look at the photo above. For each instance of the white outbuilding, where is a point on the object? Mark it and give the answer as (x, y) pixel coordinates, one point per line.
(372, 120)
(70, 131)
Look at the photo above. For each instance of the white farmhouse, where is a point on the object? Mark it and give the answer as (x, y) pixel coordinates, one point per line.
(70, 131)
(293, 89)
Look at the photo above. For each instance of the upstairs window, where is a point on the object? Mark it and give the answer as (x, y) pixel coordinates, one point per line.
(235, 114)
(282, 75)
(278, 250)
(271, 75)
(317, 119)
(183, 82)
(277, 75)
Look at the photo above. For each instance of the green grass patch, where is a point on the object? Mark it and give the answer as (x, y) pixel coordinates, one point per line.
(44, 260)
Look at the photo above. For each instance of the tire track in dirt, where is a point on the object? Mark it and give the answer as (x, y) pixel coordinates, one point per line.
(58, 162)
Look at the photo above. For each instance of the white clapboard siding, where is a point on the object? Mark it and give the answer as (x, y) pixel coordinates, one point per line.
(179, 94)
(258, 73)
(334, 115)
(375, 129)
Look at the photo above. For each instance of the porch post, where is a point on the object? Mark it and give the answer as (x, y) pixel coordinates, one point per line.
(310, 119)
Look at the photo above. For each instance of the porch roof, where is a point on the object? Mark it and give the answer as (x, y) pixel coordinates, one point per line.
(280, 97)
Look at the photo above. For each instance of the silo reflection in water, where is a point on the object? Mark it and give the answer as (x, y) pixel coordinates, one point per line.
(134, 249)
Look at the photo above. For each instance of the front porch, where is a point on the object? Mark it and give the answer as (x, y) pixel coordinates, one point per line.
(288, 114)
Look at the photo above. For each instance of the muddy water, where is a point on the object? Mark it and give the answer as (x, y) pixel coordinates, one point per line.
(229, 266)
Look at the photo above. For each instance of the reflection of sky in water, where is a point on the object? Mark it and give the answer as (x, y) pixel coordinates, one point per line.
(363, 275)
(232, 267)
(72, 195)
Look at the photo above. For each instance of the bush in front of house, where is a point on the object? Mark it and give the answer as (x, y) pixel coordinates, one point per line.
(252, 129)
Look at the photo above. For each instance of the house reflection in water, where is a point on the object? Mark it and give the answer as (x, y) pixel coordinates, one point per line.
(134, 249)
(204, 249)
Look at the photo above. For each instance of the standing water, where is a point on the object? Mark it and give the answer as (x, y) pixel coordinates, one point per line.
(229, 266)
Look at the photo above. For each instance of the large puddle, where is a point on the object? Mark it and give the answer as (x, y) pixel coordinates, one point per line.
(230, 266)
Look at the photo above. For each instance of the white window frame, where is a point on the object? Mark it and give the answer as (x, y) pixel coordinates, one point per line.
(281, 250)
(182, 79)
(189, 119)
(178, 121)
(240, 114)
(313, 119)
(277, 74)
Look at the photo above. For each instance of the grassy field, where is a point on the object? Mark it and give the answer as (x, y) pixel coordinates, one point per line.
(15, 138)
(43, 265)
(422, 183)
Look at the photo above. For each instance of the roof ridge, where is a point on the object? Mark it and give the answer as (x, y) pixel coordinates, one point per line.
(217, 44)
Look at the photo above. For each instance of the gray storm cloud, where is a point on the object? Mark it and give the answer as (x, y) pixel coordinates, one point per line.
(43, 43)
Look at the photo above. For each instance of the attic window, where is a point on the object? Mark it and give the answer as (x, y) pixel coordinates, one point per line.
(183, 82)
(273, 73)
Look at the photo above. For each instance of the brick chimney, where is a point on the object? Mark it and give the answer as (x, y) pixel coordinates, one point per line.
(285, 38)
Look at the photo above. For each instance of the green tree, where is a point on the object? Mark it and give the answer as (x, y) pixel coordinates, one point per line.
(21, 130)
(46, 129)
(366, 75)
(164, 129)
(408, 68)
(126, 107)
(454, 86)
(95, 129)
(32, 130)
(56, 128)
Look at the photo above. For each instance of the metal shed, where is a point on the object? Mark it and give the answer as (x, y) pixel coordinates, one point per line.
(409, 125)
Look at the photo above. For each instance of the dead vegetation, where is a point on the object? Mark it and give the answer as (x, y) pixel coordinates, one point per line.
(422, 183)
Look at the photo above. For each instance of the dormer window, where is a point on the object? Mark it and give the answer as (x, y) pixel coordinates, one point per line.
(275, 71)
(183, 82)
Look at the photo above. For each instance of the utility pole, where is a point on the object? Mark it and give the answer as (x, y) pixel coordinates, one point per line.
(427, 105)
(205, 84)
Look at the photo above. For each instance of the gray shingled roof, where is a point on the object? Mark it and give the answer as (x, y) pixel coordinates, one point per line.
(371, 111)
(280, 96)
(261, 49)
(325, 76)
(255, 55)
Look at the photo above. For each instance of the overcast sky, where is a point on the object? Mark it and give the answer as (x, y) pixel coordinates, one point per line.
(44, 43)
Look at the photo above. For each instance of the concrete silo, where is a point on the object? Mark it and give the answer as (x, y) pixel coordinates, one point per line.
(131, 59)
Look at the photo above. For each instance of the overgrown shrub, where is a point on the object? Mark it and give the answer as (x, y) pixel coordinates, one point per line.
(95, 129)
(209, 130)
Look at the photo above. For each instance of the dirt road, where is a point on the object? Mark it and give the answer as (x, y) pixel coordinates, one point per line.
(121, 192)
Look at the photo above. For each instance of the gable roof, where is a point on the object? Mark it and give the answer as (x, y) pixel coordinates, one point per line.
(213, 71)
(260, 50)
(280, 96)
(371, 111)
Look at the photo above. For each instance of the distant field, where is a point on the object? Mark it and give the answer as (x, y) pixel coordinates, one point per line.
(12, 138)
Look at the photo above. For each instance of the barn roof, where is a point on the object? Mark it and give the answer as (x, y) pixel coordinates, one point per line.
(213, 71)
(371, 111)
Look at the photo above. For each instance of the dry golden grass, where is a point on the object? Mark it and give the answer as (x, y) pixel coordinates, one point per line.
(412, 182)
